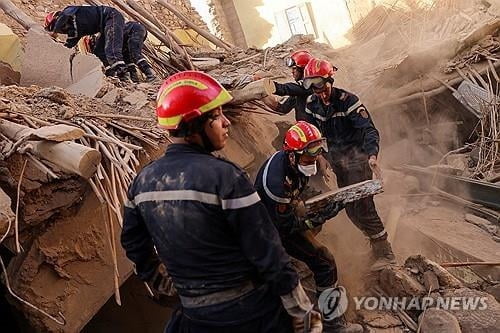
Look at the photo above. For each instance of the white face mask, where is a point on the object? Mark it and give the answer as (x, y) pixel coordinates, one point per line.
(308, 170)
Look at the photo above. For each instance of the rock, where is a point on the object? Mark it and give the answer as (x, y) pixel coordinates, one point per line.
(379, 319)
(423, 264)
(397, 282)
(7, 75)
(437, 320)
(54, 94)
(481, 319)
(431, 281)
(110, 96)
(137, 98)
(495, 291)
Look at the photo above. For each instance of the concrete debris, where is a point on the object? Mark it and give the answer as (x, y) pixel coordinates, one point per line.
(437, 320)
(431, 281)
(7, 75)
(7, 216)
(398, 282)
(494, 290)
(110, 97)
(379, 319)
(138, 99)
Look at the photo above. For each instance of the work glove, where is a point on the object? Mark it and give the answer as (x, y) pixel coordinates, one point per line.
(332, 209)
(160, 285)
(313, 323)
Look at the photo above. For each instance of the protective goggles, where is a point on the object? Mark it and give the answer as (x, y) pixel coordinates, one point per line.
(289, 62)
(315, 148)
(315, 82)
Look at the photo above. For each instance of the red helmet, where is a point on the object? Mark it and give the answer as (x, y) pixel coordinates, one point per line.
(317, 72)
(299, 59)
(185, 96)
(50, 20)
(304, 138)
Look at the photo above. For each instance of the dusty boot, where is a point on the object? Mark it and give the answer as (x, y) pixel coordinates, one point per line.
(340, 325)
(118, 70)
(146, 69)
(382, 251)
(132, 70)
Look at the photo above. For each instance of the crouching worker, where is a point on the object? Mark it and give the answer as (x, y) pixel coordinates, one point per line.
(134, 35)
(279, 183)
(79, 21)
(208, 225)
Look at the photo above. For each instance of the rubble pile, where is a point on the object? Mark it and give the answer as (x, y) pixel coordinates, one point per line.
(427, 289)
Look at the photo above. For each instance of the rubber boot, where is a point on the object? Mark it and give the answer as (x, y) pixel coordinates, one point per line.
(382, 252)
(147, 70)
(340, 325)
(132, 70)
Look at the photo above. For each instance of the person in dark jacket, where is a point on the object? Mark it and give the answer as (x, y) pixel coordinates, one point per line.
(353, 147)
(200, 216)
(134, 35)
(280, 182)
(79, 21)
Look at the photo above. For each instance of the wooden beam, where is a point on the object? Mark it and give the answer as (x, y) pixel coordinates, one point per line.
(19, 16)
(211, 38)
(255, 90)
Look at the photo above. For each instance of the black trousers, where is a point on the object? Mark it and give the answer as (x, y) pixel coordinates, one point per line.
(134, 35)
(316, 256)
(133, 42)
(110, 44)
(362, 212)
(259, 311)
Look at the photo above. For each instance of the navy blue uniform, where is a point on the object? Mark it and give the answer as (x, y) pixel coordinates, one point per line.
(279, 185)
(79, 21)
(297, 98)
(213, 233)
(352, 138)
(134, 35)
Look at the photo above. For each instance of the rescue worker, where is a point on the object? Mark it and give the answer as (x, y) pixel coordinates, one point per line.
(295, 91)
(134, 35)
(279, 182)
(208, 225)
(79, 21)
(353, 147)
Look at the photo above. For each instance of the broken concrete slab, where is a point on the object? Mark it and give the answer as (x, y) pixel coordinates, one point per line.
(379, 319)
(137, 98)
(437, 320)
(89, 85)
(45, 62)
(110, 97)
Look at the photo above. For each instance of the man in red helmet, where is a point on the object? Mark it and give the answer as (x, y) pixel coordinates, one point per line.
(295, 92)
(207, 224)
(79, 21)
(280, 182)
(353, 143)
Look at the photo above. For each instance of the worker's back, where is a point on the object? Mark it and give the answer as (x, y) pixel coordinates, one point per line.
(191, 223)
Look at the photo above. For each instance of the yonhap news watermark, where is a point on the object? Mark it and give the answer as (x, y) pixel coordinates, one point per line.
(333, 303)
(420, 303)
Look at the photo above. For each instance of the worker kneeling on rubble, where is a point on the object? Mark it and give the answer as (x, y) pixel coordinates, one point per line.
(134, 35)
(208, 225)
(353, 146)
(79, 21)
(280, 182)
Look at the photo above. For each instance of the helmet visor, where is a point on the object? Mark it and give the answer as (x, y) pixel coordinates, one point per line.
(316, 147)
(315, 82)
